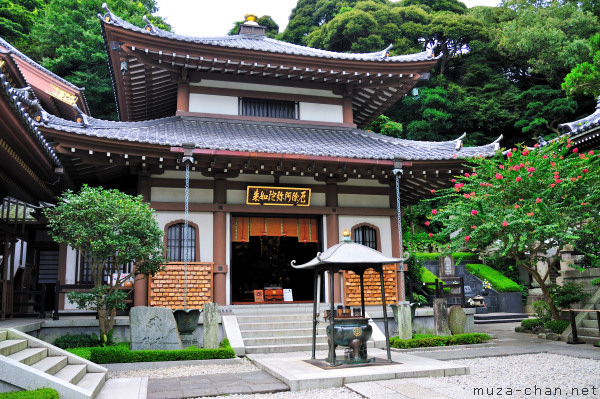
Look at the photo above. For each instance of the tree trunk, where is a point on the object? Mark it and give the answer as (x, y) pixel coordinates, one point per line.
(538, 278)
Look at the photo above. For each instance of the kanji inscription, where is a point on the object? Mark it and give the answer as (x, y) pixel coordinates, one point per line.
(286, 196)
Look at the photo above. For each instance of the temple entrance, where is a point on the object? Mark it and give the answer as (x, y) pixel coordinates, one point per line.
(261, 252)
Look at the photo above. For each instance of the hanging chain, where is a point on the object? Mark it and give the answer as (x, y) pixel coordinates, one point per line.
(185, 233)
(398, 172)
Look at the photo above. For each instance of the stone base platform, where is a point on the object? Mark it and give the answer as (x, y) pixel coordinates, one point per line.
(299, 375)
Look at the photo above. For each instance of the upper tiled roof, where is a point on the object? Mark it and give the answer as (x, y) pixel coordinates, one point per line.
(584, 124)
(282, 138)
(263, 43)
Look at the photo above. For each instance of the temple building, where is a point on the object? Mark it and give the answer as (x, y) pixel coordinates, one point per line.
(271, 134)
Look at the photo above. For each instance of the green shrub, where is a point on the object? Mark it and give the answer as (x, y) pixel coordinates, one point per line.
(428, 277)
(427, 256)
(595, 281)
(557, 326)
(424, 340)
(499, 282)
(75, 341)
(460, 256)
(530, 324)
(122, 354)
(567, 294)
(542, 311)
(43, 393)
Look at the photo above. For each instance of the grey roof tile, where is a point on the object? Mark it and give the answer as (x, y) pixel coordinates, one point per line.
(263, 43)
(280, 138)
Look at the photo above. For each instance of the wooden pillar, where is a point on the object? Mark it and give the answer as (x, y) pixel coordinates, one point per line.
(62, 272)
(347, 109)
(333, 230)
(183, 97)
(141, 281)
(144, 188)
(220, 242)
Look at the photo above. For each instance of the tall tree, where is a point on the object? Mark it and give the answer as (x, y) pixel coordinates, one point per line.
(17, 19)
(68, 41)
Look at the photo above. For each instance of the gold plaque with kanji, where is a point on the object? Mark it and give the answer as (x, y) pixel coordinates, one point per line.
(284, 196)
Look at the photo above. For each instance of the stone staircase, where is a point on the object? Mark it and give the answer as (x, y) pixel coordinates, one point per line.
(586, 323)
(28, 363)
(499, 317)
(280, 333)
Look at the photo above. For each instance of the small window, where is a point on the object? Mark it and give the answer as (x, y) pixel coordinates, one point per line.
(268, 108)
(177, 250)
(366, 236)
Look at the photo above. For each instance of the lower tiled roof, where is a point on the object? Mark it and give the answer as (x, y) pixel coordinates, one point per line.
(283, 138)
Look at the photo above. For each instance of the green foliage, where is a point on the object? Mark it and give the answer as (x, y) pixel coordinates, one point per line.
(595, 281)
(122, 354)
(42, 393)
(418, 298)
(17, 19)
(522, 203)
(542, 311)
(429, 277)
(83, 353)
(387, 127)
(498, 281)
(427, 256)
(531, 324)
(557, 326)
(75, 341)
(545, 109)
(421, 341)
(110, 229)
(567, 294)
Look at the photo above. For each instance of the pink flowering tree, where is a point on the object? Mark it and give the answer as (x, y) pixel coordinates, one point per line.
(523, 203)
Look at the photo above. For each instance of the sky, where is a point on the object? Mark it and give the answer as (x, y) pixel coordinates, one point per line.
(216, 18)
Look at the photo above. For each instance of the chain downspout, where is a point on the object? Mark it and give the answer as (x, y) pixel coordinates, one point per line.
(399, 172)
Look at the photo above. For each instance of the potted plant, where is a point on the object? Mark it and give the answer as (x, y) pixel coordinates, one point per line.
(486, 288)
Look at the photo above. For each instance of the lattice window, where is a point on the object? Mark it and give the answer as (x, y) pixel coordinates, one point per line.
(176, 248)
(268, 108)
(366, 236)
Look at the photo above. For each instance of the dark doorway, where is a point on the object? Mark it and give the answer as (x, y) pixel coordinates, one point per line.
(264, 261)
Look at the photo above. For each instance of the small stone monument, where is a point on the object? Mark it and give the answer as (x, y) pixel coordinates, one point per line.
(457, 320)
(153, 328)
(211, 325)
(440, 316)
(402, 316)
(447, 266)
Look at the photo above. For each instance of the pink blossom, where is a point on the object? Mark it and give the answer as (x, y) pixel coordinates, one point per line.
(482, 184)
(474, 212)
(501, 166)
(467, 196)
(531, 169)
(557, 181)
(488, 184)
(467, 238)
(505, 223)
(536, 145)
(467, 175)
(573, 179)
(538, 200)
(509, 154)
(529, 213)
(516, 168)
(552, 185)
(474, 175)
(434, 211)
(517, 206)
(525, 152)
(582, 156)
(579, 177)
(473, 227)
(453, 180)
(591, 153)
(545, 156)
(553, 164)
(499, 176)
(427, 223)
(585, 170)
(432, 191)
(569, 145)
(521, 165)
(518, 178)
(575, 149)
(430, 235)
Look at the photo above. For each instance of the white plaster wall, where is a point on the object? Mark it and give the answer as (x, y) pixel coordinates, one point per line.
(299, 180)
(180, 174)
(204, 220)
(169, 194)
(317, 199)
(321, 112)
(362, 200)
(213, 104)
(265, 88)
(382, 222)
(363, 182)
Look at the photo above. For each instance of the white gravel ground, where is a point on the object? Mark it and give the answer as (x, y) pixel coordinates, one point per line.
(519, 376)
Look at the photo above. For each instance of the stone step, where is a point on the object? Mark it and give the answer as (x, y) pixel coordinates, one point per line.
(285, 325)
(72, 373)
(92, 382)
(284, 348)
(590, 324)
(281, 332)
(588, 339)
(493, 321)
(276, 341)
(3, 335)
(51, 364)
(498, 316)
(275, 318)
(10, 346)
(590, 332)
(29, 356)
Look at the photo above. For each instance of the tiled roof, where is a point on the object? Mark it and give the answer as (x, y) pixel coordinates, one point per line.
(281, 138)
(18, 99)
(263, 43)
(584, 124)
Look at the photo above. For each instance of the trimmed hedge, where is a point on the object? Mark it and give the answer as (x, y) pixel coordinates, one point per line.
(457, 256)
(557, 326)
(429, 341)
(43, 393)
(530, 324)
(428, 277)
(76, 341)
(499, 282)
(121, 354)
